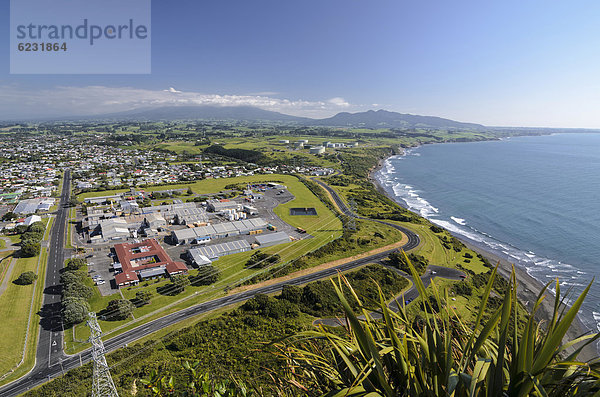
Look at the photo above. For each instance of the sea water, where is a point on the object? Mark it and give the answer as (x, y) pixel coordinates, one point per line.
(532, 200)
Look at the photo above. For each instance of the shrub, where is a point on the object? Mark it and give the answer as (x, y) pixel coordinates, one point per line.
(74, 264)
(260, 259)
(26, 278)
(118, 309)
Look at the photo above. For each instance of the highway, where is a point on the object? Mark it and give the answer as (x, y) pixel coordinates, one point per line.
(50, 343)
(51, 365)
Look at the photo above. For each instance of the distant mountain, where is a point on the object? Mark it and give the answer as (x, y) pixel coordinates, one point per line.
(230, 113)
(368, 119)
(386, 119)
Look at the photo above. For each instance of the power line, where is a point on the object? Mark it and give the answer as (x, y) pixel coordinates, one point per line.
(102, 384)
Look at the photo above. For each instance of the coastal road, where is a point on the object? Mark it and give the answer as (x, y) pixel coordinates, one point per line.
(55, 363)
(413, 238)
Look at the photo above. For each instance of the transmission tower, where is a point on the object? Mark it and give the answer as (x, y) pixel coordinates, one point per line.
(103, 385)
(351, 222)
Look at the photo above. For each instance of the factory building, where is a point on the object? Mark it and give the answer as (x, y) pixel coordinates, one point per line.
(267, 240)
(317, 150)
(189, 216)
(197, 258)
(222, 205)
(154, 221)
(214, 252)
(32, 206)
(203, 234)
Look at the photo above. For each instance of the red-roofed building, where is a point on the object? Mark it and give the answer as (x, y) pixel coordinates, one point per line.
(144, 260)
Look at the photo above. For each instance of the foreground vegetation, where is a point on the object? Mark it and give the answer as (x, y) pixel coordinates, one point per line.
(506, 354)
(233, 344)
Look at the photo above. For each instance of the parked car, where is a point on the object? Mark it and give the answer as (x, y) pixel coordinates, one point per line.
(100, 282)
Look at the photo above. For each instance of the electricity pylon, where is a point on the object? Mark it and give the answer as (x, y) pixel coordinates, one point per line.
(102, 385)
(351, 222)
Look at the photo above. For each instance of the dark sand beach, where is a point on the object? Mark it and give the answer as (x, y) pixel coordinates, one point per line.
(528, 287)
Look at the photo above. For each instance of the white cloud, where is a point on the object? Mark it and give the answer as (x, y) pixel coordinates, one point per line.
(92, 100)
(337, 101)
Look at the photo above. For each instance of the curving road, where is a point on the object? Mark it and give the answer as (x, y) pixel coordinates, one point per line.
(432, 272)
(45, 371)
(413, 238)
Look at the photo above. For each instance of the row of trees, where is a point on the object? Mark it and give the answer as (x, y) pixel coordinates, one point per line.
(31, 237)
(75, 292)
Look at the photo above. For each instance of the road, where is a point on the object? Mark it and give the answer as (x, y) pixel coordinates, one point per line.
(51, 366)
(408, 296)
(49, 348)
(413, 238)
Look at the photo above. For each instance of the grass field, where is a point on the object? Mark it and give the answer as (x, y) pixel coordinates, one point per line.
(21, 304)
(70, 219)
(2, 244)
(15, 305)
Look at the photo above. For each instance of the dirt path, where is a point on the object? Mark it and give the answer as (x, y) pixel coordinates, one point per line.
(7, 274)
(323, 266)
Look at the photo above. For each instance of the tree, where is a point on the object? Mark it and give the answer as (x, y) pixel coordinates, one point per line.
(291, 293)
(260, 260)
(77, 290)
(74, 264)
(176, 286)
(26, 278)
(179, 283)
(30, 249)
(206, 275)
(118, 309)
(21, 229)
(73, 202)
(190, 191)
(142, 297)
(75, 310)
(70, 277)
(9, 216)
(37, 227)
(419, 262)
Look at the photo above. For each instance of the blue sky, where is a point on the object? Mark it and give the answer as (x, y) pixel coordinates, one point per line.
(513, 63)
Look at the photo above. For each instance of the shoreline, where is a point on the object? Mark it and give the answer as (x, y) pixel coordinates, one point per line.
(528, 287)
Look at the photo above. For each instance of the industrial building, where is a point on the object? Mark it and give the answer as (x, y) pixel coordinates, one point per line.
(103, 199)
(198, 259)
(30, 220)
(154, 221)
(189, 216)
(213, 252)
(204, 234)
(145, 260)
(169, 211)
(223, 205)
(110, 229)
(267, 240)
(317, 150)
(32, 206)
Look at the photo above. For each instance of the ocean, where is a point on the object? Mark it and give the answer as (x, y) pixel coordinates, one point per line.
(532, 200)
